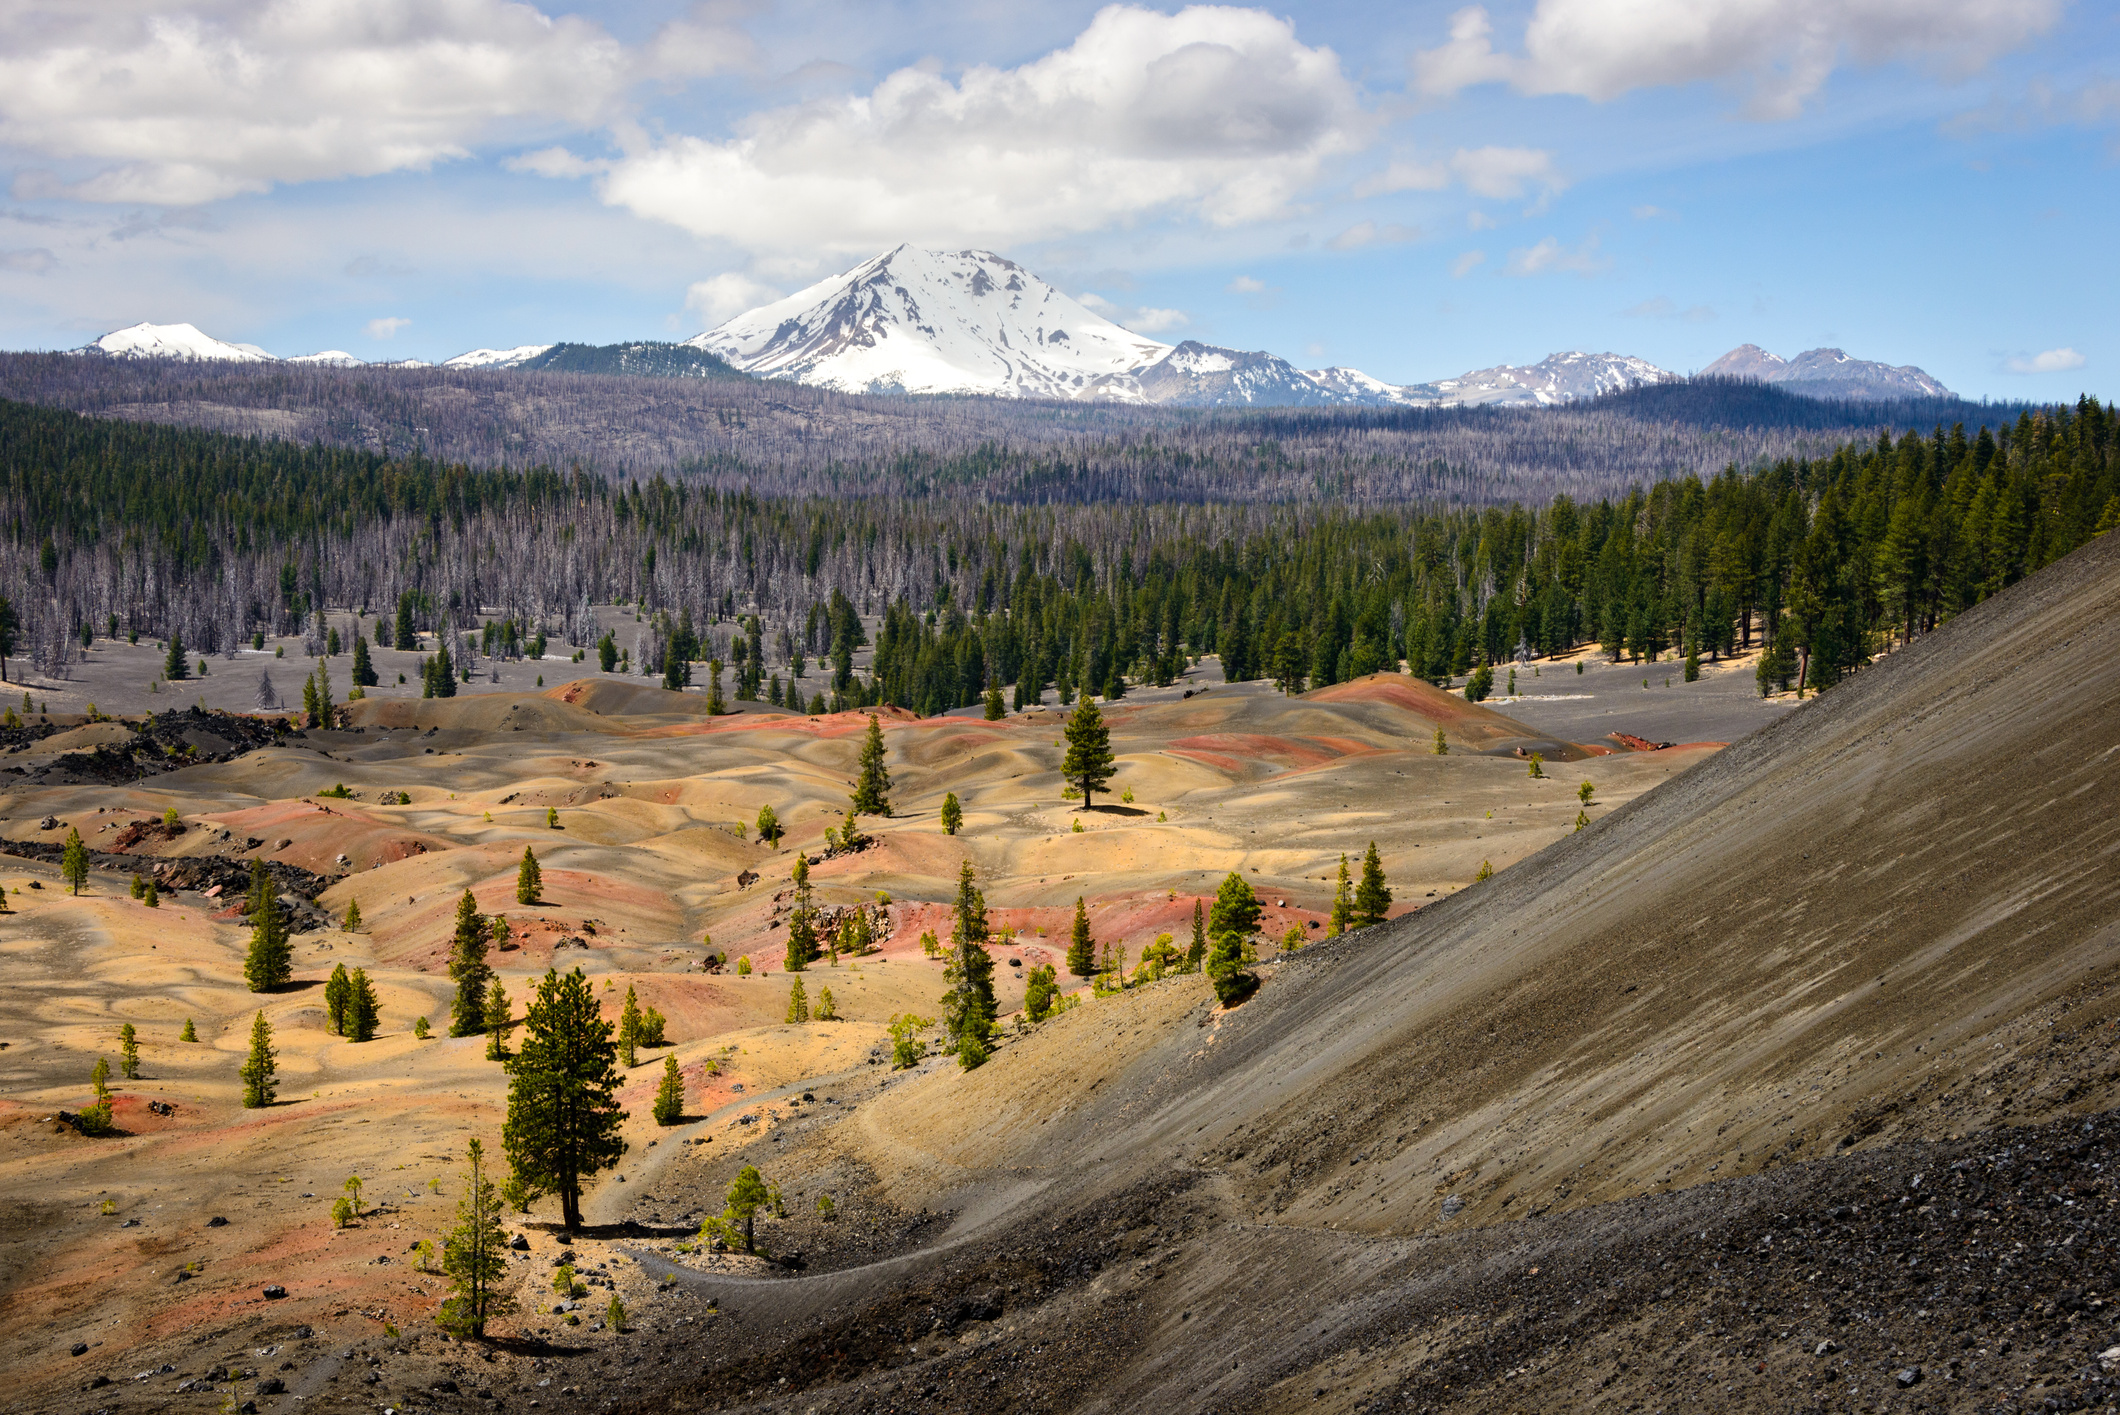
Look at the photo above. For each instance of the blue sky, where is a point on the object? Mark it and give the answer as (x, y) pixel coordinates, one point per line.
(1413, 190)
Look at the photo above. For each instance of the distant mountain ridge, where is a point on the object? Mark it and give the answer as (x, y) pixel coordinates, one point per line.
(1827, 373)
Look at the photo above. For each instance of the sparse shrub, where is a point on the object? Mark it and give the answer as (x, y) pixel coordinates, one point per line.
(1292, 940)
(827, 1009)
(1538, 767)
(129, 1052)
(1486, 872)
(139, 885)
(615, 1314)
(743, 966)
(1041, 987)
(189, 1034)
(1584, 792)
(825, 1206)
(341, 1212)
(1442, 747)
(907, 1048)
(420, 1028)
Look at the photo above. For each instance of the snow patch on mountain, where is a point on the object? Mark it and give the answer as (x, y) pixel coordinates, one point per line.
(330, 358)
(1351, 385)
(1557, 378)
(919, 321)
(493, 358)
(171, 341)
(1196, 375)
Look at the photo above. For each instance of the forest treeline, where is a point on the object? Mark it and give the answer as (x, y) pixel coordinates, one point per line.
(134, 528)
(784, 439)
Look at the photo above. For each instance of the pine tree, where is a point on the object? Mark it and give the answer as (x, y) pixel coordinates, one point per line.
(798, 1003)
(468, 970)
(827, 1010)
(769, 831)
(529, 879)
(563, 1114)
(262, 1067)
(444, 672)
(968, 1007)
(353, 917)
(1371, 899)
(1442, 747)
(325, 709)
(73, 862)
(364, 1012)
(802, 924)
(128, 1052)
(1081, 948)
(176, 667)
(402, 629)
(872, 790)
(670, 1096)
(309, 701)
(1089, 759)
(189, 1034)
(1196, 955)
(475, 1256)
(1041, 988)
(952, 814)
(364, 675)
(629, 1029)
(1342, 904)
(1236, 909)
(1538, 766)
(748, 1193)
(654, 1028)
(338, 994)
(496, 1022)
(995, 708)
(1225, 965)
(270, 962)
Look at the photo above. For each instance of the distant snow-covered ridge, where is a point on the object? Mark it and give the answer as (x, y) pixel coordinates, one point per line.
(914, 321)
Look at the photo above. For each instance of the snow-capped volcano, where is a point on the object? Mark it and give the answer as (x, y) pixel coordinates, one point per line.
(919, 321)
(171, 341)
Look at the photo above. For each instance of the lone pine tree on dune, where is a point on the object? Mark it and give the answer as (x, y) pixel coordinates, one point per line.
(270, 961)
(968, 1007)
(1342, 904)
(364, 1012)
(261, 1068)
(1372, 901)
(338, 994)
(563, 1112)
(468, 970)
(529, 879)
(872, 791)
(1081, 948)
(1089, 760)
(73, 862)
(802, 924)
(475, 1255)
(670, 1095)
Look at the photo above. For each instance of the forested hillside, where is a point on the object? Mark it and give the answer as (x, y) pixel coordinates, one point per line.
(129, 528)
(784, 439)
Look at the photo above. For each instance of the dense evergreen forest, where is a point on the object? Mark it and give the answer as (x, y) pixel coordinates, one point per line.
(133, 528)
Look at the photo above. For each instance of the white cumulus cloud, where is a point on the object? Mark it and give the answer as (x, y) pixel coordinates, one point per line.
(196, 100)
(1214, 113)
(1780, 51)
(1501, 172)
(387, 326)
(1465, 264)
(723, 297)
(1142, 319)
(2050, 361)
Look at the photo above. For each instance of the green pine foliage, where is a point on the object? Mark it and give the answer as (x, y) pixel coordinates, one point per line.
(1342, 904)
(270, 960)
(475, 1255)
(670, 1095)
(1088, 764)
(1041, 989)
(1372, 901)
(769, 831)
(529, 879)
(497, 1020)
(73, 862)
(798, 1003)
(338, 994)
(129, 1052)
(968, 1007)
(261, 1069)
(1236, 909)
(468, 969)
(563, 1112)
(952, 814)
(364, 1011)
(629, 1029)
(1081, 947)
(190, 1033)
(802, 923)
(872, 789)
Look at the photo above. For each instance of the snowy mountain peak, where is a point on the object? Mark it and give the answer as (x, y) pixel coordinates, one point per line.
(1829, 373)
(329, 358)
(171, 341)
(920, 321)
